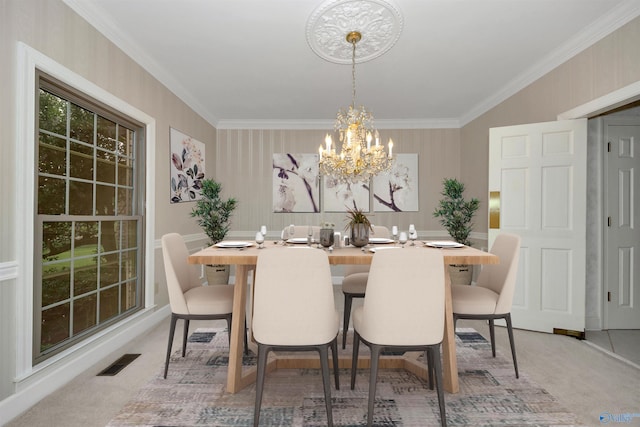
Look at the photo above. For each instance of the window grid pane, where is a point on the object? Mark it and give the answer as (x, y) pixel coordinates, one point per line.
(89, 230)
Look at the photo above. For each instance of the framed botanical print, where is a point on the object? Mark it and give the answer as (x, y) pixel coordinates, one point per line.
(187, 167)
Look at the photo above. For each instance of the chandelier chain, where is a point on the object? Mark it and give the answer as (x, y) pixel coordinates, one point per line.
(353, 73)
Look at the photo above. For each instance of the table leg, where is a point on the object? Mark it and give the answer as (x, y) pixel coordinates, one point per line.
(234, 373)
(449, 362)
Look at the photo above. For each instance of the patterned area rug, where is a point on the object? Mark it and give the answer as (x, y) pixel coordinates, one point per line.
(193, 393)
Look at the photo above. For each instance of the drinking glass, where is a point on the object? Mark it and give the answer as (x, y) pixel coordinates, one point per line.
(263, 230)
(259, 239)
(309, 235)
(292, 231)
(403, 238)
(394, 233)
(413, 236)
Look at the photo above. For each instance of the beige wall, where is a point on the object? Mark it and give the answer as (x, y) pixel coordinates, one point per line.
(244, 167)
(610, 64)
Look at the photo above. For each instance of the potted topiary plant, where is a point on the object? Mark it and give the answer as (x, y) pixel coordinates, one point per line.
(358, 226)
(455, 215)
(214, 216)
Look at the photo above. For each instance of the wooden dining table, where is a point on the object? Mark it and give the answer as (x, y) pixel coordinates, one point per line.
(245, 261)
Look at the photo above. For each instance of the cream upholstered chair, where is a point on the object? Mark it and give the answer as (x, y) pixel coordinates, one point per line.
(492, 296)
(188, 297)
(403, 310)
(298, 231)
(294, 310)
(354, 282)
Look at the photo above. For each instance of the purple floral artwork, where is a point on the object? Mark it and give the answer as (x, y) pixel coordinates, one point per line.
(339, 197)
(187, 167)
(295, 183)
(397, 189)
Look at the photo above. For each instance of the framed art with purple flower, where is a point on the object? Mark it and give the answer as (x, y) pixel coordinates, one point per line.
(187, 167)
(295, 183)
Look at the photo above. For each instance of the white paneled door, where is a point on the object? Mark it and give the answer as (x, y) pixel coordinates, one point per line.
(537, 173)
(622, 231)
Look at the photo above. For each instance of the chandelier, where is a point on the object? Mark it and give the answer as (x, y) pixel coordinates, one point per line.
(362, 156)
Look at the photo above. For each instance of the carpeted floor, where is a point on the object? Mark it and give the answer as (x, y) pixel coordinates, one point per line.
(193, 394)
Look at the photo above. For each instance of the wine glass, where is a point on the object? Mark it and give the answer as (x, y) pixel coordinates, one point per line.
(394, 233)
(309, 235)
(403, 238)
(413, 235)
(259, 239)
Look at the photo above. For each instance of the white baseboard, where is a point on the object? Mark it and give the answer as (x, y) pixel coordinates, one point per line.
(63, 372)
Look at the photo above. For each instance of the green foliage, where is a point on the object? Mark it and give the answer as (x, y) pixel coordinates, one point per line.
(212, 212)
(356, 216)
(455, 212)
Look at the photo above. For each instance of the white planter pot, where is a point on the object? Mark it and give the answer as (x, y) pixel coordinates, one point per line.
(217, 274)
(460, 274)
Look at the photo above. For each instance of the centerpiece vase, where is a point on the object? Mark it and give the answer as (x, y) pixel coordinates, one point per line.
(359, 235)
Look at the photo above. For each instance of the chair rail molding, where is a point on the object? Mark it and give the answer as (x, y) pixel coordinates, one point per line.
(8, 270)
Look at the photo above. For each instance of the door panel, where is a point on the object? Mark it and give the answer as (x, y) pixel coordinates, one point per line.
(540, 171)
(622, 236)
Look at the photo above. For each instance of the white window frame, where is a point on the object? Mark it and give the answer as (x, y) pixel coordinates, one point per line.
(29, 60)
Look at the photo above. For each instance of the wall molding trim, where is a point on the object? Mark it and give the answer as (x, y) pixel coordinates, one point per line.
(8, 270)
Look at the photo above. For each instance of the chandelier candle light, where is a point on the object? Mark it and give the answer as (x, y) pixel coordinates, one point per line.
(362, 156)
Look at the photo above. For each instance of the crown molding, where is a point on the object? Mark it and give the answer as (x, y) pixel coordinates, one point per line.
(107, 27)
(445, 123)
(616, 18)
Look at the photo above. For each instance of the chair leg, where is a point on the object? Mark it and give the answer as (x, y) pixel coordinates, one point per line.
(172, 329)
(324, 363)
(430, 367)
(512, 343)
(263, 351)
(336, 367)
(246, 342)
(373, 378)
(492, 333)
(348, 299)
(185, 334)
(437, 367)
(354, 358)
(228, 319)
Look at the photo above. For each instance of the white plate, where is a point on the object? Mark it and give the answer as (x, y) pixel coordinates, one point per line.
(298, 240)
(444, 244)
(232, 244)
(379, 240)
(383, 247)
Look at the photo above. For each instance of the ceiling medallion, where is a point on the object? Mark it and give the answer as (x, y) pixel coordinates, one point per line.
(379, 22)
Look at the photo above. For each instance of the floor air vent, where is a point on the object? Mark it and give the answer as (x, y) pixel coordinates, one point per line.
(118, 365)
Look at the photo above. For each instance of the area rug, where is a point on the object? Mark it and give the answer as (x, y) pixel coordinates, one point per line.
(194, 393)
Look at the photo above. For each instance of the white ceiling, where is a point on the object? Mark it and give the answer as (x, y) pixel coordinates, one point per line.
(246, 63)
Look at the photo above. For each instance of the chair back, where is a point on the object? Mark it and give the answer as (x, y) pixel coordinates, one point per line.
(404, 303)
(378, 231)
(501, 278)
(299, 231)
(293, 298)
(181, 276)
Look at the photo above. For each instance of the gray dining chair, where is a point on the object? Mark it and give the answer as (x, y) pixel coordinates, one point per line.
(403, 310)
(492, 295)
(294, 310)
(188, 297)
(354, 283)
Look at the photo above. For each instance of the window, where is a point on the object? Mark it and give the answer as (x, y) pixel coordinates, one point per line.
(88, 226)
